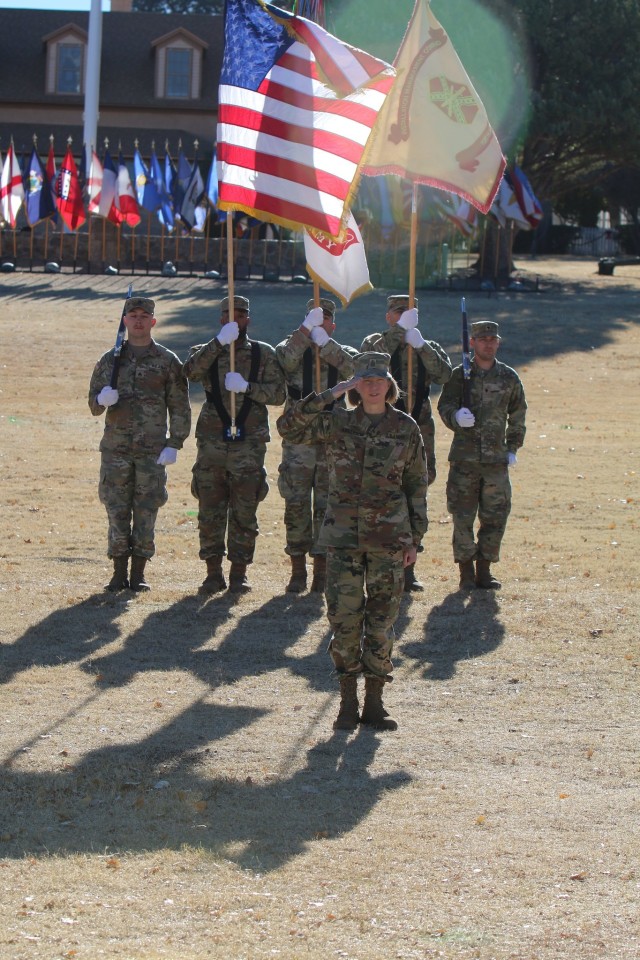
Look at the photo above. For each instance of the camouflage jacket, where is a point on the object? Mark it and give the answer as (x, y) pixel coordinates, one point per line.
(266, 388)
(435, 364)
(499, 406)
(150, 388)
(377, 473)
(299, 367)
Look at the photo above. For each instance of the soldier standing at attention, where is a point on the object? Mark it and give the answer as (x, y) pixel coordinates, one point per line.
(135, 449)
(229, 478)
(303, 479)
(430, 364)
(486, 436)
(375, 519)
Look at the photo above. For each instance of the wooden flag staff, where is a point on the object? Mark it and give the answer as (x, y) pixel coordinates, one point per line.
(412, 289)
(232, 346)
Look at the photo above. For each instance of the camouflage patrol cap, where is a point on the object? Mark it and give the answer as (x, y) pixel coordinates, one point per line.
(371, 364)
(484, 328)
(239, 303)
(326, 304)
(400, 301)
(140, 303)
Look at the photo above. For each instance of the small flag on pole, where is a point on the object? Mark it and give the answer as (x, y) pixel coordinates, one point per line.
(39, 202)
(69, 194)
(11, 188)
(338, 266)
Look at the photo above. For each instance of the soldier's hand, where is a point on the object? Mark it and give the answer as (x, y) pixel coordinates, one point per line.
(314, 318)
(409, 319)
(341, 388)
(235, 382)
(228, 333)
(320, 336)
(107, 397)
(409, 556)
(512, 459)
(167, 456)
(464, 417)
(414, 338)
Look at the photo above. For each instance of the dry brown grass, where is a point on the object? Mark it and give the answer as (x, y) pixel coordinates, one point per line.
(171, 784)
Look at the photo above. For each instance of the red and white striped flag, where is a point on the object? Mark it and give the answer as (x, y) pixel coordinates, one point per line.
(296, 108)
(11, 188)
(94, 184)
(125, 199)
(338, 266)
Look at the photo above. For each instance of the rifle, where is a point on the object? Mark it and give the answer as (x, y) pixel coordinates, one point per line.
(119, 343)
(466, 358)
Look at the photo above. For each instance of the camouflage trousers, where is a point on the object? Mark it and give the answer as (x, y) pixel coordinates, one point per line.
(303, 483)
(363, 601)
(482, 490)
(132, 490)
(229, 481)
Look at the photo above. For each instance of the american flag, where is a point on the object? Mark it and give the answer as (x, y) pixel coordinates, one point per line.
(296, 108)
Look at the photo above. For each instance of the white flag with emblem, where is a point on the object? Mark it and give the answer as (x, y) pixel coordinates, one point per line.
(340, 267)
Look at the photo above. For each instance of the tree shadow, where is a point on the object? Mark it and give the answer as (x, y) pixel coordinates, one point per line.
(464, 626)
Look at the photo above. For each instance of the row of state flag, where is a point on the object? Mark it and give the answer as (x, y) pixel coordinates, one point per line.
(103, 187)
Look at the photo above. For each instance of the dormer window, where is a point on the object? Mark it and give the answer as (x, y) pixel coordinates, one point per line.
(66, 51)
(179, 65)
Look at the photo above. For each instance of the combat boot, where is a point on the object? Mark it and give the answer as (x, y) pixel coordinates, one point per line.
(373, 712)
(484, 578)
(467, 575)
(348, 717)
(319, 574)
(411, 583)
(120, 578)
(137, 581)
(214, 582)
(238, 582)
(298, 581)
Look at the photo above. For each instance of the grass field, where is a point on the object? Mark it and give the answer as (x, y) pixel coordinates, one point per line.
(171, 784)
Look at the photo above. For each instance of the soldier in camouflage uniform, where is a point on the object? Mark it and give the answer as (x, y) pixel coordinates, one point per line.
(303, 479)
(135, 449)
(430, 364)
(375, 519)
(487, 435)
(229, 478)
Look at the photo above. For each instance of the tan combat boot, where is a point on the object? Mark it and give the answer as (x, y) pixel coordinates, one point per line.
(411, 583)
(373, 712)
(467, 575)
(137, 581)
(319, 574)
(120, 578)
(214, 581)
(348, 717)
(484, 578)
(298, 581)
(238, 582)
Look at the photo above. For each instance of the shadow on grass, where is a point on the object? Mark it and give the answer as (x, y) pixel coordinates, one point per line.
(464, 626)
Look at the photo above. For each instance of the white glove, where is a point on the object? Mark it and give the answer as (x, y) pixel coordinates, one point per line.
(512, 459)
(314, 318)
(409, 319)
(107, 397)
(464, 417)
(320, 336)
(228, 333)
(414, 338)
(235, 382)
(167, 456)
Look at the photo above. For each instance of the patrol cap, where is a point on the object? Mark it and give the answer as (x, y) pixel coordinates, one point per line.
(239, 303)
(484, 328)
(140, 303)
(400, 301)
(326, 304)
(371, 364)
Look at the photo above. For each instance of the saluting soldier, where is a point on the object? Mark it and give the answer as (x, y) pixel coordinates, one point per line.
(430, 364)
(303, 479)
(486, 437)
(229, 478)
(375, 520)
(135, 449)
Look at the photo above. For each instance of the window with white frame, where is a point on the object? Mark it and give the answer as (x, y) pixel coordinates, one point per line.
(179, 65)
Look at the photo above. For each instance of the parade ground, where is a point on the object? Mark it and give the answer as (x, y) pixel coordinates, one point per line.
(171, 785)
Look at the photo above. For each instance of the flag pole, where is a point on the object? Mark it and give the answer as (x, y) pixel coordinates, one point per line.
(232, 345)
(316, 303)
(412, 289)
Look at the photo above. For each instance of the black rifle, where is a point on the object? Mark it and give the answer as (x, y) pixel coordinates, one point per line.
(466, 358)
(119, 343)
